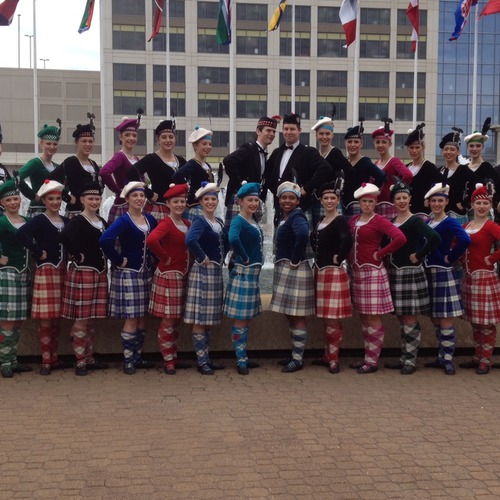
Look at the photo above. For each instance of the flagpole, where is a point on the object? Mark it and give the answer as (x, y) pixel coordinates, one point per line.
(35, 82)
(474, 73)
(104, 152)
(19, 40)
(232, 81)
(167, 62)
(355, 98)
(293, 108)
(415, 83)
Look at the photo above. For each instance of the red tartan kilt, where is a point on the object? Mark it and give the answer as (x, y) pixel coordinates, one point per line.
(168, 294)
(333, 296)
(481, 298)
(85, 294)
(47, 292)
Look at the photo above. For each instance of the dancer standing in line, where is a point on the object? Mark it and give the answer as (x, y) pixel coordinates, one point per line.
(114, 172)
(39, 168)
(42, 237)
(196, 171)
(159, 167)
(242, 302)
(409, 288)
(444, 292)
(207, 241)
(85, 293)
(15, 280)
(167, 242)
(480, 285)
(130, 274)
(293, 280)
(371, 294)
(331, 241)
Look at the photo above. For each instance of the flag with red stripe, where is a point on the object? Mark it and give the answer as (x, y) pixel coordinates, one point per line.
(492, 7)
(87, 17)
(348, 17)
(7, 10)
(461, 16)
(413, 16)
(160, 4)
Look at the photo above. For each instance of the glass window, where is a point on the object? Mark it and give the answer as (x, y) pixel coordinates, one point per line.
(207, 43)
(215, 105)
(244, 137)
(208, 10)
(251, 42)
(177, 104)
(251, 76)
(128, 7)
(374, 46)
(177, 73)
(129, 37)
(302, 107)
(251, 106)
(220, 139)
(302, 14)
(176, 8)
(403, 19)
(404, 109)
(328, 15)
(404, 48)
(177, 41)
(405, 80)
(374, 79)
(302, 44)
(324, 108)
(331, 45)
(126, 102)
(332, 78)
(302, 77)
(129, 72)
(376, 16)
(208, 74)
(373, 108)
(251, 12)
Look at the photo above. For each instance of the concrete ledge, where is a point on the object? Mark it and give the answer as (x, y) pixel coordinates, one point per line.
(268, 332)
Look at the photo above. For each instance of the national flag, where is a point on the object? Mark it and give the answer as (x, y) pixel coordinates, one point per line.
(461, 16)
(413, 16)
(160, 4)
(7, 10)
(223, 33)
(87, 16)
(492, 7)
(276, 19)
(348, 17)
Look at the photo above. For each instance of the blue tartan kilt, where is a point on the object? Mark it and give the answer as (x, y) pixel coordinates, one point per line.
(192, 212)
(205, 291)
(243, 294)
(444, 293)
(129, 293)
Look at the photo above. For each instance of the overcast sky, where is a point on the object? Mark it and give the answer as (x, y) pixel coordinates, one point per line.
(58, 39)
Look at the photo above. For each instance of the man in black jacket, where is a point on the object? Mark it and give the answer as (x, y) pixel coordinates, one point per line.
(248, 164)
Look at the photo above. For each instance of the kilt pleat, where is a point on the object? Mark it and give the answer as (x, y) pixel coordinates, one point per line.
(444, 294)
(370, 290)
(47, 292)
(481, 297)
(117, 211)
(168, 293)
(205, 290)
(352, 209)
(410, 291)
(333, 294)
(293, 289)
(158, 210)
(15, 295)
(85, 294)
(192, 212)
(242, 299)
(129, 293)
(386, 209)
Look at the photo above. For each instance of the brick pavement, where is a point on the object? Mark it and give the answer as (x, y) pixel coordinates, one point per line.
(268, 435)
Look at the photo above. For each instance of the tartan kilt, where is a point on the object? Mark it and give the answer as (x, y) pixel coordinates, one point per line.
(242, 299)
(167, 294)
(444, 293)
(129, 293)
(205, 290)
(460, 218)
(192, 212)
(293, 289)
(71, 214)
(352, 209)
(370, 290)
(157, 209)
(85, 294)
(47, 291)
(15, 295)
(333, 296)
(410, 291)
(117, 211)
(481, 297)
(386, 209)
(34, 211)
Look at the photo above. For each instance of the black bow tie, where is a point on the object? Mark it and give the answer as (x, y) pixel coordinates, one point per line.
(263, 152)
(289, 147)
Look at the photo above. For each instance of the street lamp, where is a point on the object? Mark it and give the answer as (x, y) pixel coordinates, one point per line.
(30, 37)
(44, 61)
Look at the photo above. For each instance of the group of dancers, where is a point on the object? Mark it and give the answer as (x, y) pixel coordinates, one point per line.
(350, 234)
